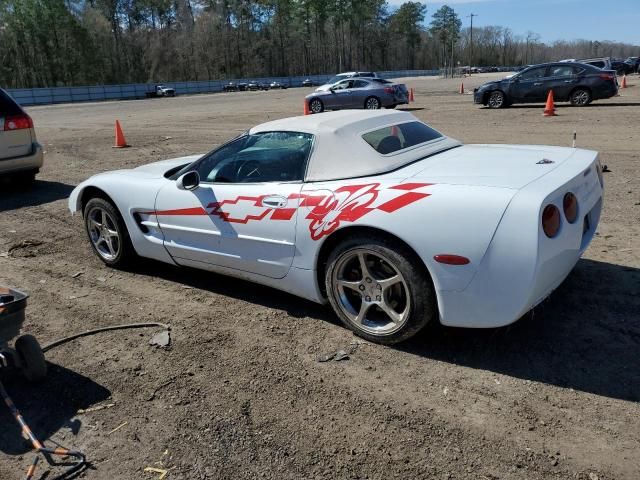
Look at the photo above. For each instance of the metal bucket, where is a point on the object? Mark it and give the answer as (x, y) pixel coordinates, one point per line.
(12, 307)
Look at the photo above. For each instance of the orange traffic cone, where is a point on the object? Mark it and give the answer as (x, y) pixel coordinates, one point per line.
(461, 89)
(411, 96)
(306, 110)
(624, 81)
(550, 107)
(120, 140)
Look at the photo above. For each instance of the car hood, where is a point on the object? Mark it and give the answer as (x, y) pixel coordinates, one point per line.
(153, 170)
(492, 83)
(503, 166)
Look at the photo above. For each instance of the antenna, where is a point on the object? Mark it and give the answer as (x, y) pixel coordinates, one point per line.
(574, 139)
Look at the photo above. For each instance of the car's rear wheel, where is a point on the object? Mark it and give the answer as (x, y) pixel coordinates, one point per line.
(372, 103)
(316, 106)
(580, 97)
(107, 233)
(379, 290)
(496, 99)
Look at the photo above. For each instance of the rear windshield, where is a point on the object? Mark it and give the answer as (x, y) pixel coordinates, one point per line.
(8, 106)
(398, 137)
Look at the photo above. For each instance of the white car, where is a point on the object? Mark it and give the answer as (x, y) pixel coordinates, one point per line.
(391, 222)
(21, 155)
(344, 76)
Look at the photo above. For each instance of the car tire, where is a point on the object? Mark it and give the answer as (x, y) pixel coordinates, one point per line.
(34, 365)
(316, 105)
(108, 234)
(497, 99)
(365, 300)
(372, 103)
(580, 97)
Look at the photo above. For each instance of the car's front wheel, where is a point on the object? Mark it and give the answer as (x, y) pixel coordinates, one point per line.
(379, 290)
(496, 99)
(580, 97)
(316, 106)
(107, 233)
(372, 103)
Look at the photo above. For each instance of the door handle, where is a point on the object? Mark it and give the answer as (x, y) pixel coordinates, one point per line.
(569, 81)
(537, 84)
(274, 201)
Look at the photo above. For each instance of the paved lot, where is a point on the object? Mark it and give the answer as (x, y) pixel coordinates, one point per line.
(240, 395)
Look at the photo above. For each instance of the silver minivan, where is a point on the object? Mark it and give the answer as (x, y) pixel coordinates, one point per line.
(20, 153)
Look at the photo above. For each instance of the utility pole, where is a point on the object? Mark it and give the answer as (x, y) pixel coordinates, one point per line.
(471, 42)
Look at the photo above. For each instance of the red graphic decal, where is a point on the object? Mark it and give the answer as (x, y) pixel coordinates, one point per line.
(180, 211)
(350, 203)
(326, 212)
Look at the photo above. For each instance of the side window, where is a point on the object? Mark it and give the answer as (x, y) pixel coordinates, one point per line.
(561, 71)
(533, 73)
(263, 157)
(360, 84)
(343, 85)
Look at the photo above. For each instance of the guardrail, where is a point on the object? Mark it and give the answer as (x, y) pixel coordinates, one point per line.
(47, 96)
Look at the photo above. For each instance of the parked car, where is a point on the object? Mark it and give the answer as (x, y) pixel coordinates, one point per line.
(622, 68)
(21, 155)
(253, 86)
(234, 87)
(343, 76)
(634, 62)
(161, 91)
(577, 83)
(307, 83)
(392, 223)
(366, 93)
(604, 62)
(278, 85)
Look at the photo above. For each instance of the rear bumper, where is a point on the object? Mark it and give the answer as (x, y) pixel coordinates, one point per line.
(33, 161)
(522, 267)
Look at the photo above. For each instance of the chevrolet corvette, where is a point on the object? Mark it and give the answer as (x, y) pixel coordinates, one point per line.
(392, 223)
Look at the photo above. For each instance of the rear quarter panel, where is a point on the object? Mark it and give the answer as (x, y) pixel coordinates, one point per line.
(431, 218)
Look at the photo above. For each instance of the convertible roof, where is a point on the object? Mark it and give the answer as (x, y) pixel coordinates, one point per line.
(340, 151)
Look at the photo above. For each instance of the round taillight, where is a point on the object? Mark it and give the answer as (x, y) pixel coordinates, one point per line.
(570, 206)
(551, 220)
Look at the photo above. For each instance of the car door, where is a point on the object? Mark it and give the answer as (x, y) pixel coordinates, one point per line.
(341, 95)
(243, 213)
(562, 79)
(359, 92)
(529, 86)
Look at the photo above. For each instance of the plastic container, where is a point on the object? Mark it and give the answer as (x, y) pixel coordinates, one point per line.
(12, 308)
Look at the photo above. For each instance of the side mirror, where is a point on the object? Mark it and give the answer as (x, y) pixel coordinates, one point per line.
(188, 181)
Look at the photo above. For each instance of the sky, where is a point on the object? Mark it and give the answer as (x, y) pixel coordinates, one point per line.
(615, 20)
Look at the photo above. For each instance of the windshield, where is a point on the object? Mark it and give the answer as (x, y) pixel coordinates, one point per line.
(261, 157)
(337, 78)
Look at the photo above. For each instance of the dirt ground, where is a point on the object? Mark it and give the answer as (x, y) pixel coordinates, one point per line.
(240, 395)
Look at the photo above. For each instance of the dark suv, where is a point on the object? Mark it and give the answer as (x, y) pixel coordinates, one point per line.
(575, 82)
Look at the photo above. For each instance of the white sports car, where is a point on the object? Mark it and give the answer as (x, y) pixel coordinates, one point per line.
(391, 222)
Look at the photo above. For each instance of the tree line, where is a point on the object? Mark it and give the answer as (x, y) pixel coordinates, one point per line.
(85, 42)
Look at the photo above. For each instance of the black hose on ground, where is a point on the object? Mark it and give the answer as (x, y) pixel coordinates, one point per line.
(64, 340)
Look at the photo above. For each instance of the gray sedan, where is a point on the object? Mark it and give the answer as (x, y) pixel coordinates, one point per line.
(359, 93)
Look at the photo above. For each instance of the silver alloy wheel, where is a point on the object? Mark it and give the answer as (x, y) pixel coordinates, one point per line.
(580, 97)
(372, 104)
(316, 106)
(371, 292)
(496, 99)
(103, 233)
